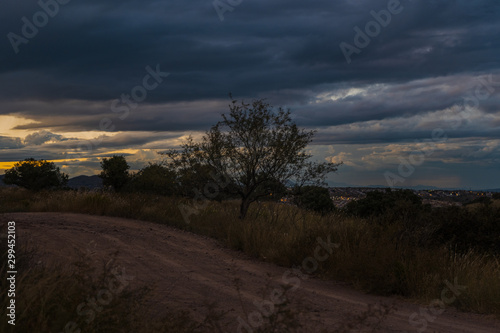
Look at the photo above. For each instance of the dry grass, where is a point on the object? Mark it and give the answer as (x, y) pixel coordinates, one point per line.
(370, 257)
(52, 298)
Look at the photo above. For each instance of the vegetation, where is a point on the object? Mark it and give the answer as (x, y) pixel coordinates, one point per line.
(35, 175)
(55, 298)
(394, 258)
(49, 295)
(154, 179)
(253, 147)
(378, 203)
(390, 242)
(315, 198)
(465, 228)
(481, 200)
(114, 172)
(471, 227)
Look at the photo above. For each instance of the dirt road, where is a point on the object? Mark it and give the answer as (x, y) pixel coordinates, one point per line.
(189, 270)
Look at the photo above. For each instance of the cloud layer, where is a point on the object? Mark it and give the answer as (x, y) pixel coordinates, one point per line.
(83, 76)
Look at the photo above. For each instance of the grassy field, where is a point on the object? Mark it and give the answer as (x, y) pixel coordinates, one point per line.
(372, 257)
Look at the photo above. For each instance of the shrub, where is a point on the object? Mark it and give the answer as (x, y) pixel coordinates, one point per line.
(390, 202)
(467, 229)
(314, 198)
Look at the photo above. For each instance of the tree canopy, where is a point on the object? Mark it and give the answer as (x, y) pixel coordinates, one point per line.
(114, 172)
(35, 175)
(154, 178)
(314, 198)
(253, 146)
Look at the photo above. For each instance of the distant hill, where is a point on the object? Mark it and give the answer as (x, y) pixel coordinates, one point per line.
(89, 182)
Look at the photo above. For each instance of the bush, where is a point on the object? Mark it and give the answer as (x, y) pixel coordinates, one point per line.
(313, 198)
(467, 229)
(390, 202)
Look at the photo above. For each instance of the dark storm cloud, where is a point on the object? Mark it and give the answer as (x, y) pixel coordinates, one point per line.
(74, 116)
(344, 105)
(46, 145)
(41, 137)
(10, 143)
(404, 84)
(96, 51)
(22, 153)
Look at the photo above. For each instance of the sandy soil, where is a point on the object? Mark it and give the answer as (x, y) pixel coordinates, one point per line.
(188, 271)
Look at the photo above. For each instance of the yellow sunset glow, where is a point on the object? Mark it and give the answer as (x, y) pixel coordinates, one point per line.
(10, 164)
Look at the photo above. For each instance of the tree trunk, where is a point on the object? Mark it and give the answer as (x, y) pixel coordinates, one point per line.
(245, 203)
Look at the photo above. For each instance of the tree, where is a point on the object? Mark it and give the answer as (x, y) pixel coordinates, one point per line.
(401, 206)
(114, 172)
(154, 178)
(276, 190)
(314, 198)
(250, 147)
(35, 175)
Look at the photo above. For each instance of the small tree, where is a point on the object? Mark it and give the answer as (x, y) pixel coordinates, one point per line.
(114, 172)
(35, 175)
(253, 146)
(154, 178)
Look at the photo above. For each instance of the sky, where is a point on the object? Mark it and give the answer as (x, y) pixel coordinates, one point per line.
(404, 93)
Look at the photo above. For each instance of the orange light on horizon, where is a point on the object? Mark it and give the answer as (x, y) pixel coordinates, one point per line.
(6, 165)
(10, 164)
